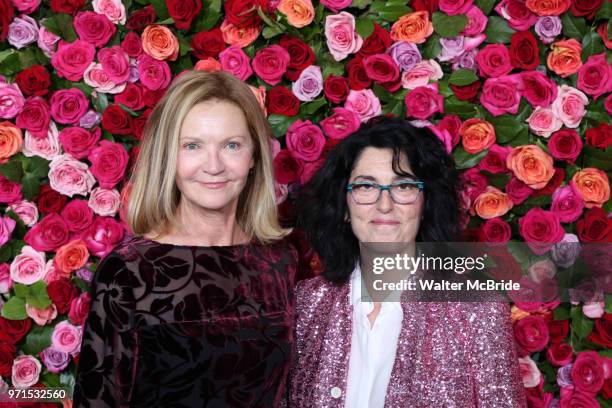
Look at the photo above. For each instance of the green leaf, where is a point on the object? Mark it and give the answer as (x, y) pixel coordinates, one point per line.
(271, 32)
(498, 30)
(160, 9)
(21, 290)
(581, 325)
(574, 27)
(561, 313)
(448, 26)
(30, 185)
(485, 5)
(61, 24)
(37, 166)
(390, 10)
(465, 160)
(37, 296)
(331, 67)
(364, 26)
(209, 16)
(184, 45)
(311, 107)
(38, 339)
(11, 64)
(5, 54)
(463, 77)
(99, 101)
(280, 123)
(166, 21)
(12, 170)
(6, 251)
(361, 4)
(14, 309)
(463, 109)
(507, 128)
(591, 45)
(432, 47)
(50, 380)
(128, 110)
(608, 303)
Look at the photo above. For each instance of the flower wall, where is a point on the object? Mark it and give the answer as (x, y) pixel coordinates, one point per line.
(517, 90)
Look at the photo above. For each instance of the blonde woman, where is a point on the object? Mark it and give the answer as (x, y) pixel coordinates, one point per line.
(196, 309)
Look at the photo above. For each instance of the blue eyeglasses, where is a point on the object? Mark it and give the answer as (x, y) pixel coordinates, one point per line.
(402, 192)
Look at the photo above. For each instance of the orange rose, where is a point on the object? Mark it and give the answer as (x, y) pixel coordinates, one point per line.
(476, 135)
(492, 203)
(159, 42)
(242, 37)
(299, 13)
(412, 27)
(71, 256)
(260, 94)
(548, 7)
(208, 65)
(11, 140)
(531, 165)
(564, 59)
(594, 186)
(517, 314)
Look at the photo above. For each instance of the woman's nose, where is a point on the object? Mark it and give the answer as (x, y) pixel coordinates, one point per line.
(213, 163)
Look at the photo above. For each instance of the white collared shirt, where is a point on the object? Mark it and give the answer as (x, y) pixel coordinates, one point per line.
(372, 349)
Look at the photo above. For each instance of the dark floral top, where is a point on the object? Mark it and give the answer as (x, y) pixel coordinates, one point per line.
(188, 326)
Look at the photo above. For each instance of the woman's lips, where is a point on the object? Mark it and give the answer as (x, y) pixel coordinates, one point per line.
(215, 186)
(384, 222)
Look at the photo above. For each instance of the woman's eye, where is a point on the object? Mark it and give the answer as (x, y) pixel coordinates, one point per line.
(363, 187)
(233, 145)
(190, 146)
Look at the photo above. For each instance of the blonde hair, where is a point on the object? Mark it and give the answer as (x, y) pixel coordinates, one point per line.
(154, 197)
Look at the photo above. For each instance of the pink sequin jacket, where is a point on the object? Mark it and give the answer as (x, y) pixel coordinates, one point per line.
(449, 354)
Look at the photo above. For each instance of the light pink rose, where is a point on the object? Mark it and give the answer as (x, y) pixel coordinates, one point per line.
(66, 338)
(236, 62)
(47, 147)
(364, 103)
(477, 22)
(26, 210)
(104, 202)
(70, 176)
(6, 283)
(567, 203)
(309, 84)
(341, 124)
(22, 31)
(28, 267)
(530, 373)
(52, 273)
(342, 39)
(542, 270)
(47, 41)
(7, 225)
(114, 10)
(421, 74)
(443, 134)
(11, 100)
(95, 77)
(42, 316)
(26, 371)
(543, 122)
(569, 106)
(594, 310)
(26, 6)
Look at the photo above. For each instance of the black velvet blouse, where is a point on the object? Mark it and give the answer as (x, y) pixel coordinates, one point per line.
(188, 326)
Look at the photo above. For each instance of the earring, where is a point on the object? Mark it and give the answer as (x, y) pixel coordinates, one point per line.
(347, 218)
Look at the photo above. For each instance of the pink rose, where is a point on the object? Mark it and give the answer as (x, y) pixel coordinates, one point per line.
(364, 103)
(103, 235)
(342, 123)
(104, 202)
(538, 89)
(66, 338)
(79, 309)
(95, 77)
(588, 372)
(68, 105)
(502, 95)
(78, 141)
(517, 190)
(11, 100)
(452, 7)
(112, 9)
(495, 160)
(543, 122)
(569, 105)
(531, 333)
(423, 101)
(72, 59)
(26, 6)
(10, 191)
(69, 176)
(93, 28)
(421, 74)
(595, 76)
(154, 74)
(47, 147)
(34, 116)
(342, 39)
(48, 234)
(42, 316)
(108, 163)
(270, 63)
(517, 14)
(28, 267)
(442, 134)
(474, 183)
(309, 84)
(530, 373)
(594, 310)
(78, 215)
(493, 61)
(26, 210)
(542, 271)
(115, 63)
(46, 41)
(26, 371)
(236, 62)
(541, 229)
(6, 283)
(567, 203)
(477, 22)
(571, 397)
(304, 140)
(7, 225)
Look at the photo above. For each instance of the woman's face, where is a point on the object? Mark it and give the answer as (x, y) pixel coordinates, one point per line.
(383, 221)
(215, 156)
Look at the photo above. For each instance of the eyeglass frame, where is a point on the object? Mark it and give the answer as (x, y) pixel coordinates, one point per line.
(382, 187)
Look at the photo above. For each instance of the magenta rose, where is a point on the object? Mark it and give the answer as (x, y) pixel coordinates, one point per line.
(79, 308)
(68, 105)
(531, 333)
(477, 22)
(493, 61)
(78, 141)
(103, 235)
(565, 145)
(495, 160)
(236, 62)
(115, 63)
(108, 163)
(423, 101)
(560, 354)
(570, 396)
(502, 95)
(588, 372)
(567, 203)
(48, 234)
(538, 89)
(342, 123)
(10, 191)
(305, 140)
(541, 229)
(452, 7)
(132, 97)
(270, 63)
(473, 183)
(595, 76)
(517, 14)
(7, 225)
(93, 28)
(336, 5)
(132, 44)
(35, 116)
(495, 230)
(78, 215)
(154, 74)
(72, 59)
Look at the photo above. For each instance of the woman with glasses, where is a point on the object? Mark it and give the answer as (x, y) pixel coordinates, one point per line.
(392, 183)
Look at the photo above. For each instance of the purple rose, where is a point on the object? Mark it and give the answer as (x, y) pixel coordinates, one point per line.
(68, 105)
(565, 252)
(405, 54)
(55, 361)
(564, 378)
(309, 85)
(90, 119)
(22, 31)
(547, 28)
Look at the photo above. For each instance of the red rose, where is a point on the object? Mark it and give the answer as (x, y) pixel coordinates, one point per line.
(558, 329)
(560, 354)
(425, 5)
(493, 61)
(531, 333)
(287, 169)
(565, 145)
(524, 52)
(78, 141)
(606, 391)
(34, 80)
(7, 355)
(495, 160)
(466, 92)
(585, 8)
(79, 309)
(242, 13)
(270, 63)
(138, 124)
(152, 97)
(538, 89)
(474, 183)
(35, 116)
(357, 76)
(131, 97)
(67, 6)
(15, 329)
(451, 123)
(116, 120)
(208, 43)
(602, 334)
(6, 16)
(552, 184)
(49, 200)
(506, 266)
(381, 68)
(376, 43)
(301, 56)
(600, 136)
(132, 44)
(588, 372)
(495, 230)
(78, 215)
(541, 229)
(48, 234)
(61, 292)
(141, 18)
(282, 101)
(595, 226)
(108, 163)
(595, 76)
(422, 102)
(336, 88)
(183, 12)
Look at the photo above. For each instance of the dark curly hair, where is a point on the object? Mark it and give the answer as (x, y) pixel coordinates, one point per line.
(322, 203)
